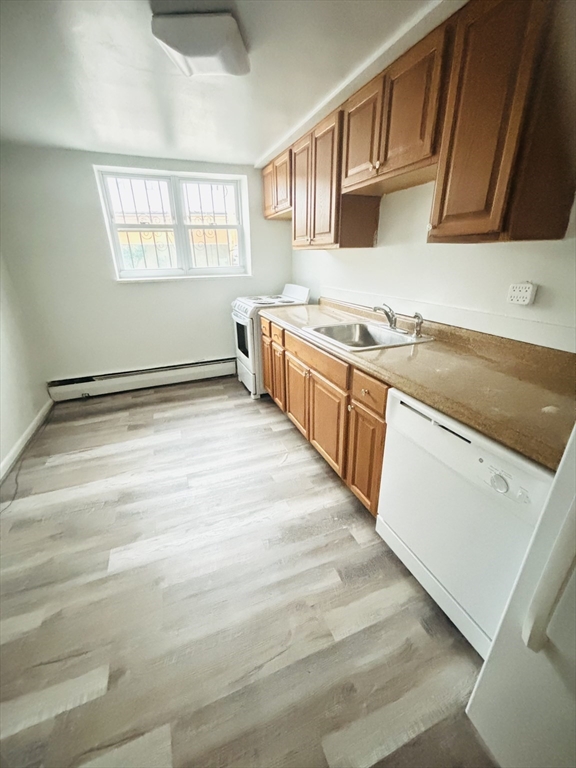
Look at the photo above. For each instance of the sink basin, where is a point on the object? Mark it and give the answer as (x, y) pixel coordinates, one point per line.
(361, 336)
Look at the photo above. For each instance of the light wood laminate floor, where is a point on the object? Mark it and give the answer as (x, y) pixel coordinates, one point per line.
(186, 583)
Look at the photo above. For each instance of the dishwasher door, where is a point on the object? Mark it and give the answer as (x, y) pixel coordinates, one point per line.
(459, 510)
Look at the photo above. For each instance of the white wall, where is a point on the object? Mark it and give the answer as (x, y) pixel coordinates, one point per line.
(464, 285)
(23, 397)
(55, 241)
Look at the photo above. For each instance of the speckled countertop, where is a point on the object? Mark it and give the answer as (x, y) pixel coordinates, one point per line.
(521, 395)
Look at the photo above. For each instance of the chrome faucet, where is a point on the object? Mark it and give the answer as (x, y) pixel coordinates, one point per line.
(418, 320)
(390, 314)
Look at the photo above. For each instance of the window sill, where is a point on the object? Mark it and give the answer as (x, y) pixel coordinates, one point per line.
(179, 277)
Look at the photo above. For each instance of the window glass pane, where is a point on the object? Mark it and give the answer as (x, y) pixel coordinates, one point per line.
(139, 201)
(214, 247)
(206, 204)
(147, 249)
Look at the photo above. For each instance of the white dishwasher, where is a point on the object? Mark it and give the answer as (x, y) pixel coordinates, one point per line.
(459, 510)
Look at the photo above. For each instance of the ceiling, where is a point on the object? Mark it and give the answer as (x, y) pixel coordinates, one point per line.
(87, 74)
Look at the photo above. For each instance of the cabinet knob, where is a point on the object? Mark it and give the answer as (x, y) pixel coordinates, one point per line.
(377, 164)
(429, 227)
(350, 407)
(365, 392)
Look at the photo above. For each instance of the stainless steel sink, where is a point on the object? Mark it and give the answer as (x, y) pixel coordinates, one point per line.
(362, 336)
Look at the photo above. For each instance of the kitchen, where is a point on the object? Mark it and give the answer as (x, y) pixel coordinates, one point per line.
(236, 480)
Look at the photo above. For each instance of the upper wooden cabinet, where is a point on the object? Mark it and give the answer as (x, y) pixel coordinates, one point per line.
(322, 217)
(325, 208)
(362, 126)
(391, 125)
(500, 176)
(481, 105)
(277, 181)
(411, 105)
(268, 188)
(301, 191)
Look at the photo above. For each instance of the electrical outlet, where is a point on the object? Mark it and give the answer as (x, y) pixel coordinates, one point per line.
(522, 293)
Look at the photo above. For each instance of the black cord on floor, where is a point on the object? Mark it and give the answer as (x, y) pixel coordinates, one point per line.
(20, 461)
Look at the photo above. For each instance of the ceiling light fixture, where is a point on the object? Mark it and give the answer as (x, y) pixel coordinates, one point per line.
(202, 43)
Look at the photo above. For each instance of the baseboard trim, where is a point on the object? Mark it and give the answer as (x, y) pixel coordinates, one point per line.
(16, 451)
(123, 382)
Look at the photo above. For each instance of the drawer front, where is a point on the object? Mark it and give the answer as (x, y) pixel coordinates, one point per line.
(265, 326)
(332, 369)
(277, 334)
(369, 391)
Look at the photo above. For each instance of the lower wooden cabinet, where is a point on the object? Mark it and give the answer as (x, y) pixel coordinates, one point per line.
(297, 392)
(328, 420)
(267, 365)
(349, 437)
(366, 433)
(278, 380)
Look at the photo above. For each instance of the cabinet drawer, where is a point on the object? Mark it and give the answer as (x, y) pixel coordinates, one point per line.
(332, 369)
(277, 334)
(369, 391)
(265, 326)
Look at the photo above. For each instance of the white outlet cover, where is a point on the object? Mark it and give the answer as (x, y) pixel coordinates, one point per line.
(522, 293)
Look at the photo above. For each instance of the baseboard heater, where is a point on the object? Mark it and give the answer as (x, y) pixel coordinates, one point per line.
(90, 386)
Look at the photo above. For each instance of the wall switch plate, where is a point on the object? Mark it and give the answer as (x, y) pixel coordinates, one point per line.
(522, 293)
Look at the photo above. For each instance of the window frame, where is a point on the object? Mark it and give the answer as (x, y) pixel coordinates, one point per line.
(184, 255)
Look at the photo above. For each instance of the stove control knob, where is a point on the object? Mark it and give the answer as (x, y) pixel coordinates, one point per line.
(499, 483)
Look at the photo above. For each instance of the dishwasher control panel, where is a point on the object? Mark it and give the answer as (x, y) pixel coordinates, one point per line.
(520, 484)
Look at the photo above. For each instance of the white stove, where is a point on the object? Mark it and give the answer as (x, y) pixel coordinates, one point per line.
(248, 332)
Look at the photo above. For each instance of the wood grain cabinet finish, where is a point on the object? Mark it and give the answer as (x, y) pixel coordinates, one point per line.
(391, 125)
(277, 334)
(283, 181)
(370, 392)
(297, 392)
(278, 376)
(328, 421)
(267, 365)
(265, 326)
(362, 127)
(301, 191)
(314, 391)
(268, 191)
(366, 433)
(496, 54)
(321, 216)
(277, 181)
(325, 200)
(411, 105)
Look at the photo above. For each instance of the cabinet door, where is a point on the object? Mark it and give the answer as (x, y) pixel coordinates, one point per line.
(326, 139)
(494, 53)
(267, 365)
(301, 190)
(278, 382)
(361, 133)
(269, 186)
(411, 104)
(328, 420)
(297, 400)
(365, 453)
(282, 181)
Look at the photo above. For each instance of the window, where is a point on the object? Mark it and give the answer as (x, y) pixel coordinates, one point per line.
(167, 225)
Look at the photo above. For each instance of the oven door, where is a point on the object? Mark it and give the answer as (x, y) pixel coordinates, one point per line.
(244, 339)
